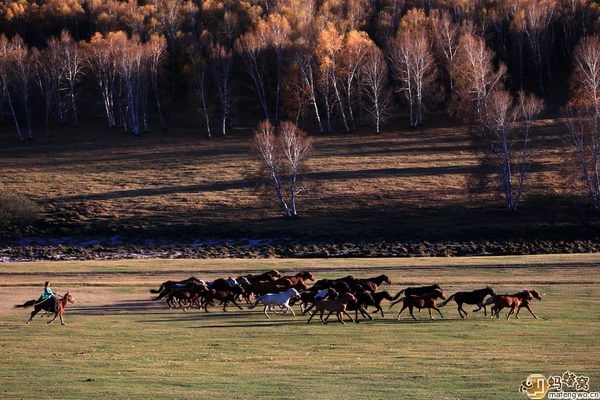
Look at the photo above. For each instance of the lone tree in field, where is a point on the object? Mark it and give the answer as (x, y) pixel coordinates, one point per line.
(583, 112)
(283, 152)
(510, 141)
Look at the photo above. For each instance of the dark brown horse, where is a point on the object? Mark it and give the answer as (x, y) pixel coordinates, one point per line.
(224, 296)
(418, 290)
(420, 302)
(372, 284)
(58, 307)
(265, 276)
(474, 297)
(167, 286)
(378, 297)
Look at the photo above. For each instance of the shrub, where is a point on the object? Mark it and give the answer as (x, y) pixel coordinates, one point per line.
(16, 210)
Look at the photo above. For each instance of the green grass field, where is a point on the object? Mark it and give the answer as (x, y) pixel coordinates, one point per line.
(119, 344)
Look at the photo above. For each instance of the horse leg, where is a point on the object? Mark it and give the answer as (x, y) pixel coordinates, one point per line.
(430, 316)
(512, 309)
(52, 320)
(321, 317)
(62, 321)
(266, 309)
(33, 313)
(349, 316)
(460, 307)
(341, 318)
(328, 315)
(410, 309)
(237, 305)
(531, 312)
(290, 308)
(403, 308)
(460, 311)
(365, 314)
(439, 311)
(311, 317)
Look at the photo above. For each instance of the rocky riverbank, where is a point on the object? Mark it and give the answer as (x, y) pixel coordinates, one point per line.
(31, 250)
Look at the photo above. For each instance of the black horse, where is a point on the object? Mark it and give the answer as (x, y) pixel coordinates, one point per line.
(474, 297)
(418, 291)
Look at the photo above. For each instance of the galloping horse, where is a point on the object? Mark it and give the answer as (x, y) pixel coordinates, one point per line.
(420, 302)
(515, 302)
(419, 290)
(372, 284)
(300, 276)
(378, 297)
(277, 299)
(59, 308)
(474, 297)
(337, 306)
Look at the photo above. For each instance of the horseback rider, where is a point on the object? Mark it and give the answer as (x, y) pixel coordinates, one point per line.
(48, 296)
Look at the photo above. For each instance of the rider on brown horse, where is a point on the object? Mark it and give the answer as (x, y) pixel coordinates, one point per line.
(48, 297)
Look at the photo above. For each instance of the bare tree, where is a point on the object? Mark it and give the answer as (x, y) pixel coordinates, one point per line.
(446, 36)
(275, 31)
(220, 61)
(308, 85)
(200, 85)
(283, 154)
(475, 77)
(415, 69)
(329, 46)
(22, 69)
(583, 114)
(538, 16)
(7, 78)
(156, 48)
(354, 53)
(251, 47)
(508, 142)
(267, 148)
(374, 75)
(73, 69)
(295, 146)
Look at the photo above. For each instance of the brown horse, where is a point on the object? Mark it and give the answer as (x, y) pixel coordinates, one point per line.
(527, 303)
(515, 302)
(337, 306)
(303, 276)
(420, 302)
(58, 308)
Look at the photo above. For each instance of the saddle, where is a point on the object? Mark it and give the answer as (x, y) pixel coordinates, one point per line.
(48, 302)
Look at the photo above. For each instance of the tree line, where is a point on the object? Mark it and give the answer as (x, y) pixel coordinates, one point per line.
(326, 65)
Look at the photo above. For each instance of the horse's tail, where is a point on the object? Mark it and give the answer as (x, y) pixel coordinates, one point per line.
(393, 303)
(160, 289)
(26, 304)
(398, 294)
(447, 301)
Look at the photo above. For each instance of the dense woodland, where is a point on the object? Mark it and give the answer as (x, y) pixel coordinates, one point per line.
(325, 65)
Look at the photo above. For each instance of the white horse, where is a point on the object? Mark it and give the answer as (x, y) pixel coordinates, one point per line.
(281, 299)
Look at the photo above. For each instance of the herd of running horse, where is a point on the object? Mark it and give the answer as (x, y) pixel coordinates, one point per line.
(279, 293)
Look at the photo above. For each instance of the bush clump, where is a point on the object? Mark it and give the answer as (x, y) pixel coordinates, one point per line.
(17, 210)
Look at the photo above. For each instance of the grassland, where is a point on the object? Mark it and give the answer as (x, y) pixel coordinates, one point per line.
(403, 184)
(120, 344)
